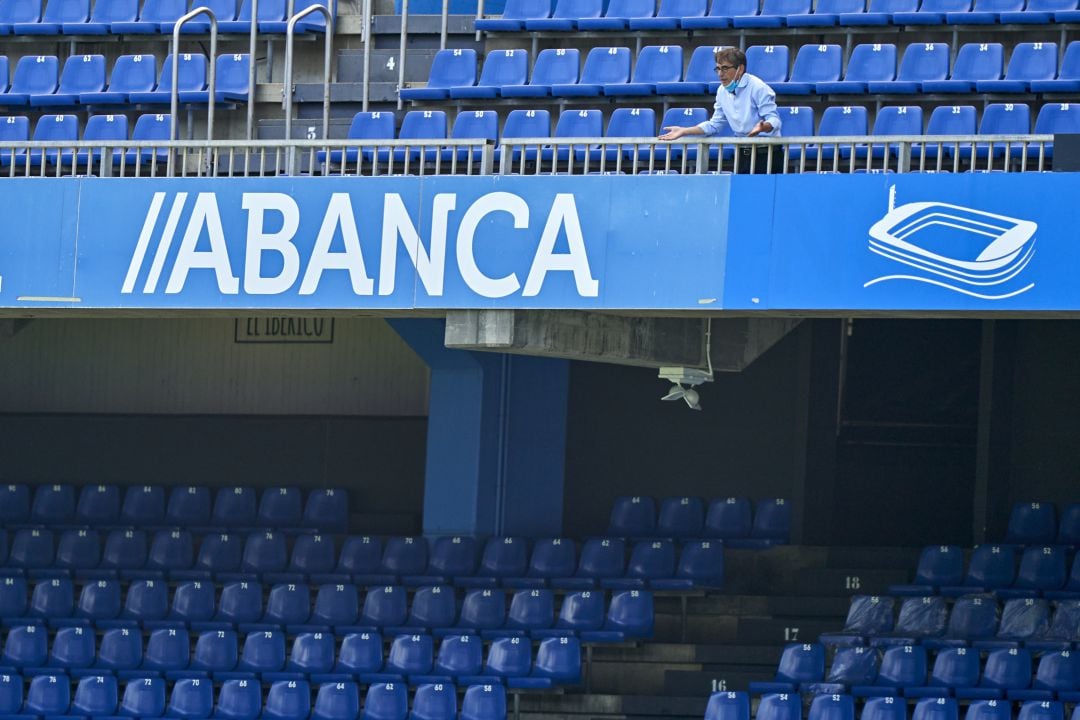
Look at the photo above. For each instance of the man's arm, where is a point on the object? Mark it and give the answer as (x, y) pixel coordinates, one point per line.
(765, 103)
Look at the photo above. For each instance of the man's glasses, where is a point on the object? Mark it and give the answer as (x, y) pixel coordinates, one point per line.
(724, 68)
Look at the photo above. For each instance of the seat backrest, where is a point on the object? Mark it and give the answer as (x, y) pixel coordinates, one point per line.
(526, 9)
(602, 558)
(1058, 118)
(171, 550)
(313, 553)
(728, 705)
(578, 123)
(73, 647)
(854, 666)
(114, 11)
(952, 120)
(924, 61)
(651, 559)
(191, 76)
(940, 565)
(1005, 119)
(96, 695)
(405, 555)
(575, 9)
(483, 609)
(1024, 619)
(215, 651)
(232, 76)
(433, 607)
(832, 707)
(606, 65)
(387, 701)
(556, 67)
(631, 122)
(955, 667)
(935, 709)
(264, 551)
(768, 62)
(336, 701)
(682, 8)
(11, 693)
(279, 507)
(160, 11)
(191, 697)
(505, 67)
(973, 617)
(220, 552)
(423, 125)
(785, 7)
(631, 612)
(311, 652)
(843, 120)
(681, 517)
(384, 606)
(288, 604)
(56, 128)
(1041, 710)
(902, 120)
(48, 695)
(121, 648)
(701, 68)
(527, 123)
(992, 566)
(147, 600)
(455, 556)
(53, 598)
(435, 701)
(559, 658)
(26, 646)
(78, 549)
(239, 699)
(630, 9)
(988, 710)
(772, 516)
(884, 708)
(483, 702)
(870, 614)
(552, 557)
(327, 509)
(903, 666)
(1069, 523)
(659, 63)
(459, 655)
(779, 706)
(288, 700)
(30, 547)
(1034, 61)
(360, 652)
(702, 561)
(1042, 567)
(233, 506)
(872, 62)
(167, 649)
(531, 610)
(509, 657)
(453, 68)
(188, 505)
(582, 610)
(98, 504)
(1057, 671)
(14, 498)
(1065, 624)
(801, 662)
(263, 651)
(410, 655)
(124, 548)
(13, 591)
(684, 116)
(978, 61)
(336, 604)
(817, 63)
(53, 504)
(363, 553)
(1008, 668)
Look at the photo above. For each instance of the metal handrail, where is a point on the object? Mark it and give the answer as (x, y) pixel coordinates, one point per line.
(290, 32)
(401, 50)
(366, 37)
(174, 96)
(252, 33)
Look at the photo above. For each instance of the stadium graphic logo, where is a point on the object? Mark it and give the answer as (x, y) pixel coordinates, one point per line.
(962, 249)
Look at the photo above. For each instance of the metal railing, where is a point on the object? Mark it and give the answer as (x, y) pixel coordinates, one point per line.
(527, 156)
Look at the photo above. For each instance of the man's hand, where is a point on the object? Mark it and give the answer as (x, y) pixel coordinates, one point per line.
(673, 133)
(761, 127)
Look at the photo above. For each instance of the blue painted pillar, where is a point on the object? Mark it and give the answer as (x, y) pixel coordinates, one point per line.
(496, 445)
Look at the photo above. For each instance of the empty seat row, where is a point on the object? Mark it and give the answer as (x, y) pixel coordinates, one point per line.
(222, 654)
(241, 699)
(150, 128)
(119, 17)
(184, 506)
(1042, 569)
(336, 608)
(787, 706)
(644, 15)
(977, 620)
(730, 519)
(1038, 523)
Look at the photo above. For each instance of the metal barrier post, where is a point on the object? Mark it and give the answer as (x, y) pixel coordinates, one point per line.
(174, 94)
(401, 50)
(287, 101)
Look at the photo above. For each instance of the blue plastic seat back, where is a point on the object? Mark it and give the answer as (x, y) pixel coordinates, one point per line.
(1041, 710)
(1065, 623)
(73, 647)
(361, 652)
(727, 705)
(20, 11)
(386, 701)
(14, 498)
(921, 616)
(772, 517)
(870, 614)
(555, 67)
(100, 600)
(681, 8)
(1042, 567)
(124, 548)
(1057, 671)
(978, 61)
(288, 700)
(631, 612)
(632, 516)
(143, 504)
(1024, 619)
(606, 66)
(469, 125)
(701, 69)
(988, 710)
(483, 702)
(1036, 61)
(602, 558)
(459, 655)
(435, 701)
(991, 566)
(272, 11)
(703, 562)
(233, 506)
(509, 657)
(526, 9)
(884, 708)
(215, 651)
(336, 604)
(171, 550)
(327, 510)
(191, 698)
(924, 61)
(220, 552)
(832, 707)
(559, 658)
(680, 517)
(13, 597)
(682, 117)
(872, 62)
(362, 553)
(25, 646)
(940, 565)
(801, 662)
(78, 549)
(433, 606)
(1007, 668)
(240, 602)
(191, 76)
(973, 617)
(53, 504)
(167, 649)
(768, 62)
(96, 695)
(11, 694)
(955, 667)
(312, 652)
(384, 606)
(630, 9)
(453, 68)
(279, 507)
(652, 559)
(98, 504)
(48, 695)
(1058, 118)
(120, 648)
(1069, 523)
(263, 651)
(797, 120)
(817, 63)
(239, 700)
(161, 11)
(483, 609)
(553, 557)
(531, 610)
(53, 598)
(582, 610)
(147, 600)
(188, 505)
(405, 556)
(505, 67)
(504, 556)
(114, 11)
(854, 666)
(337, 701)
(779, 706)
(288, 604)
(656, 64)
(423, 125)
(527, 123)
(410, 655)
(32, 547)
(902, 666)
(264, 552)
(935, 709)
(455, 556)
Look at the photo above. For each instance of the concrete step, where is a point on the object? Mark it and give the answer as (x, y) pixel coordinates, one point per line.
(846, 582)
(753, 631)
(639, 706)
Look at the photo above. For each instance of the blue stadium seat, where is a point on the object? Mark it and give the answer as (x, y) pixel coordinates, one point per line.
(408, 655)
(772, 519)
(603, 66)
(72, 648)
(327, 510)
(230, 86)
(558, 662)
(1004, 670)
(191, 698)
(632, 517)
(106, 129)
(455, 556)
(721, 15)
(361, 653)
(655, 64)
(18, 11)
(240, 602)
(287, 604)
(1041, 568)
(270, 13)
(918, 618)
(1064, 629)
(883, 708)
(120, 649)
(385, 606)
(618, 14)
(1022, 620)
(1056, 676)
(311, 23)
(459, 655)
(336, 605)
(850, 667)
(933, 12)
(502, 68)
(779, 706)
(523, 124)
(53, 504)
(336, 701)
(432, 607)
(699, 73)
(168, 649)
(503, 557)
(670, 15)
(234, 507)
(573, 123)
(894, 120)
(566, 15)
(264, 552)
(102, 17)
(99, 505)
(1054, 119)
(515, 14)
(278, 507)
(988, 710)
(878, 12)
(171, 550)
(215, 651)
(95, 696)
(152, 14)
(956, 667)
(827, 13)
(600, 558)
(191, 76)
(311, 653)
(901, 666)
(947, 120)
(450, 68)
(54, 128)
(288, 700)
(832, 707)
(975, 62)
(13, 598)
(990, 566)
(869, 62)
(1029, 62)
(53, 598)
(26, 646)
(701, 565)
(147, 600)
(1036, 522)
(935, 709)
(1041, 710)
(263, 651)
(483, 702)
(922, 62)
(985, 12)
(681, 517)
(239, 699)
(189, 505)
(48, 695)
(31, 548)
(868, 615)
(14, 498)
(130, 74)
(1069, 522)
(193, 602)
(434, 701)
(728, 705)
(219, 553)
(1072, 584)
(553, 67)
(800, 663)
(649, 560)
(508, 657)
(551, 558)
(404, 556)
(362, 554)
(630, 615)
(529, 610)
(973, 617)
(99, 600)
(774, 14)
(386, 701)
(624, 122)
(1067, 80)
(420, 125)
(78, 550)
(732, 517)
(1040, 12)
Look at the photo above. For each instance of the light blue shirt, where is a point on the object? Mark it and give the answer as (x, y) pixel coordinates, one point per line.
(752, 102)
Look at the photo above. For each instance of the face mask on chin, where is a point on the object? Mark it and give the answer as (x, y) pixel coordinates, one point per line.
(731, 86)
